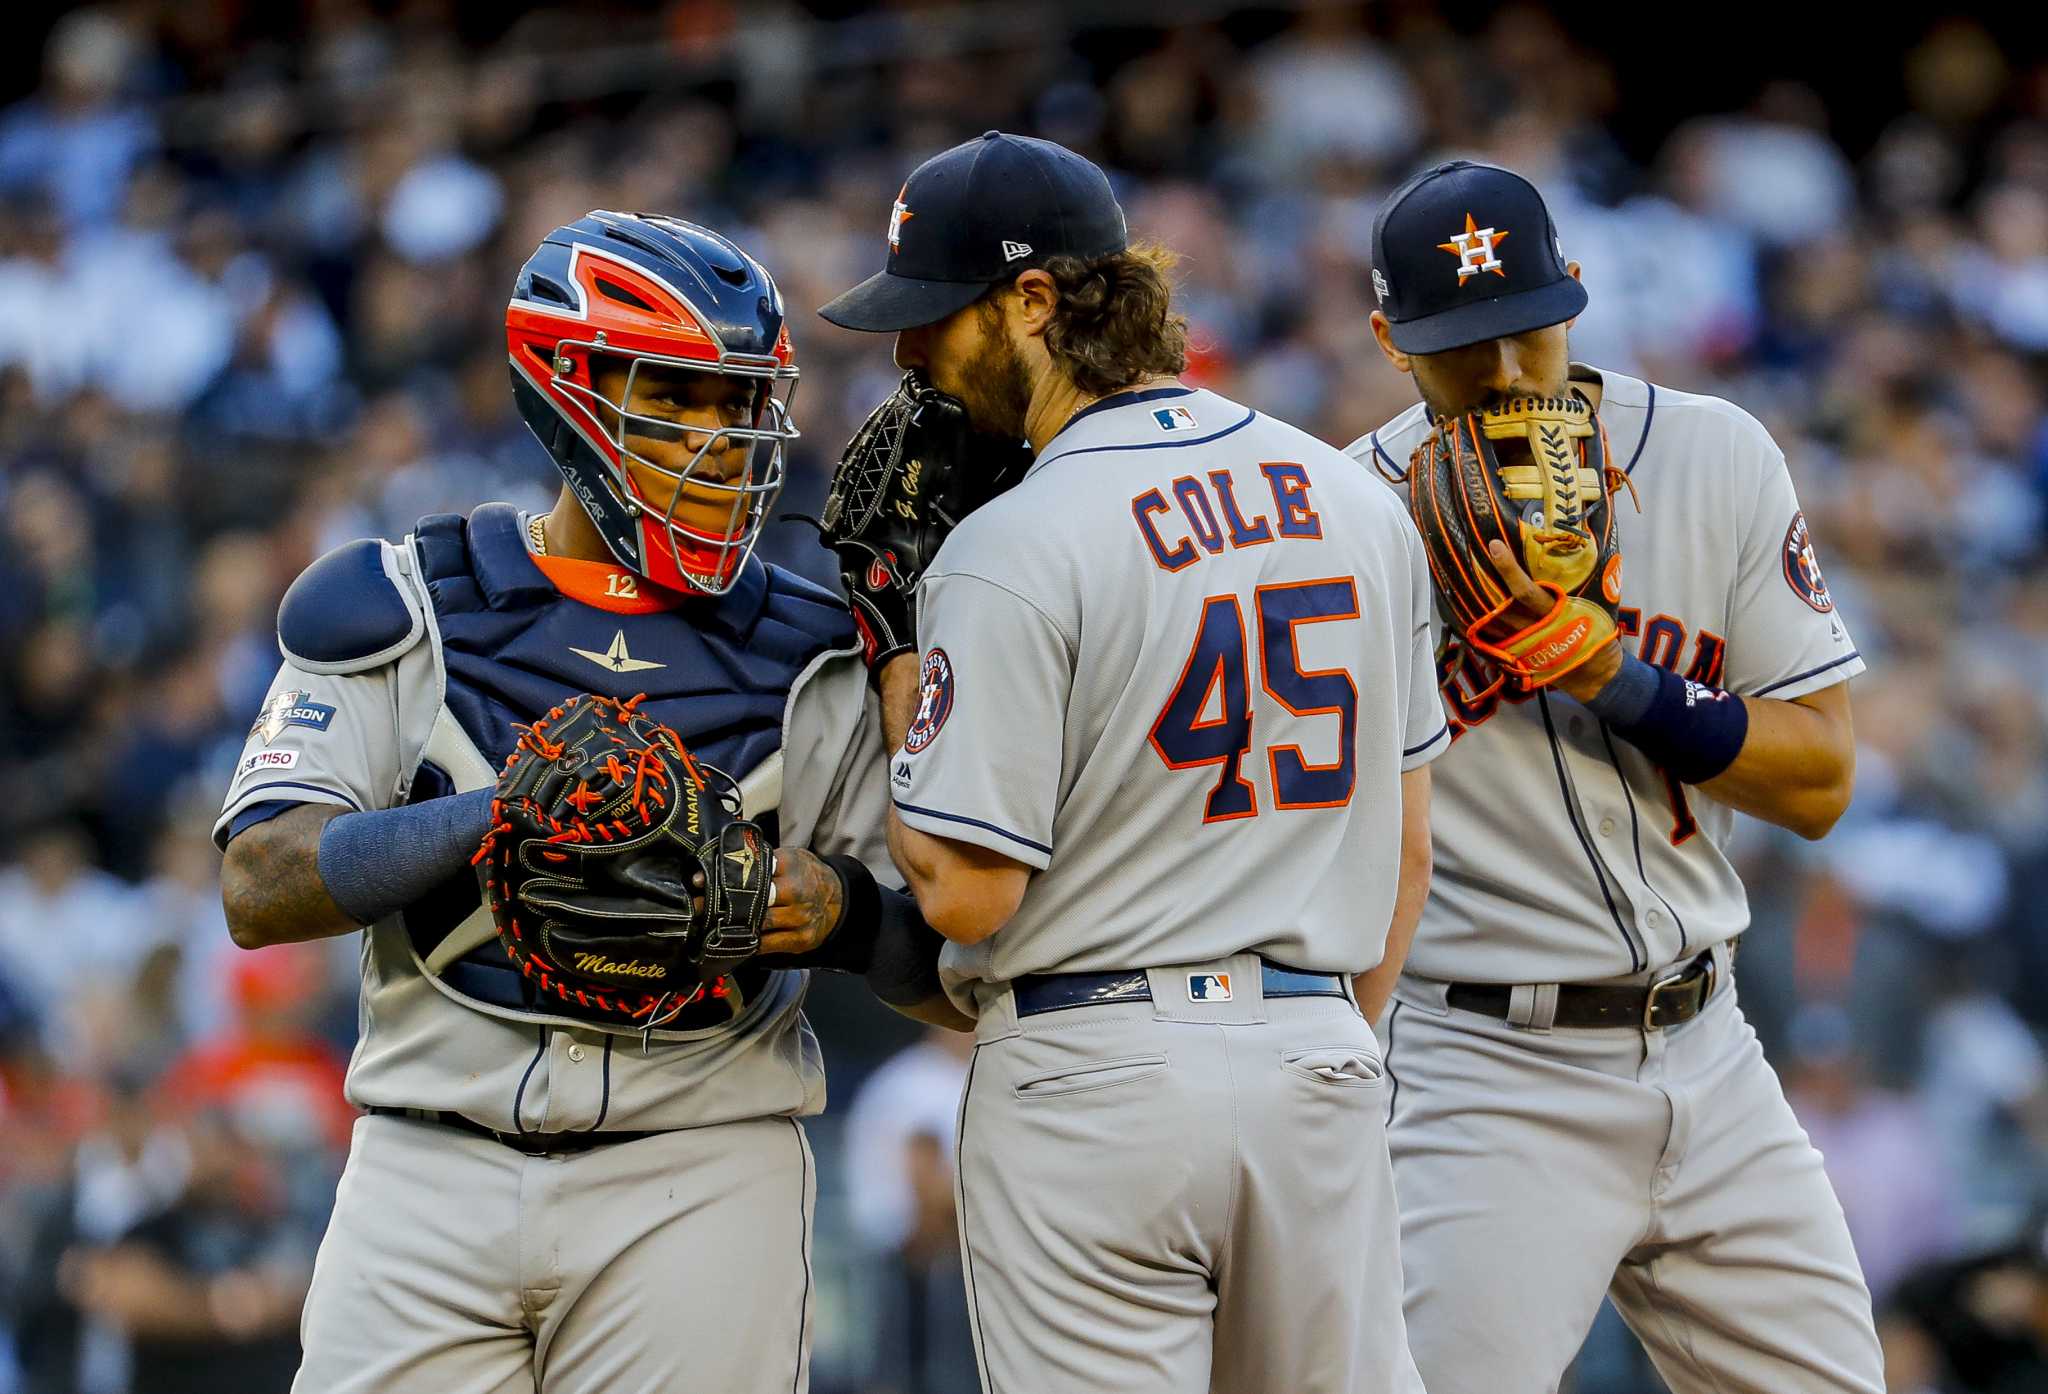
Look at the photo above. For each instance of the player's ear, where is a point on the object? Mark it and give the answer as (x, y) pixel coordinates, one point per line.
(1034, 297)
(1384, 337)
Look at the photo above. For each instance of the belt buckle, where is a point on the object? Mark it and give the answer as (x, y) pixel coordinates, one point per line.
(1682, 978)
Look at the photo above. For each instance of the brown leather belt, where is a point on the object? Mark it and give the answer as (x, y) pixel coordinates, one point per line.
(1669, 1001)
(532, 1144)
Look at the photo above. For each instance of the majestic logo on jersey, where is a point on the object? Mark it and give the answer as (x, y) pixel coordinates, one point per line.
(1474, 249)
(615, 659)
(1174, 419)
(898, 216)
(292, 707)
(1208, 987)
(934, 702)
(1802, 567)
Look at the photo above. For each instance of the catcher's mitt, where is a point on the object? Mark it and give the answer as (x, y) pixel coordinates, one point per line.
(914, 469)
(601, 821)
(1533, 474)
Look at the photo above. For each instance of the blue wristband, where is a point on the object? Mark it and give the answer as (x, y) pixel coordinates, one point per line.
(1692, 730)
(378, 862)
(1628, 695)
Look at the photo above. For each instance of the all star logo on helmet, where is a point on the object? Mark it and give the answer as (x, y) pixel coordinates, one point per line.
(1474, 249)
(898, 216)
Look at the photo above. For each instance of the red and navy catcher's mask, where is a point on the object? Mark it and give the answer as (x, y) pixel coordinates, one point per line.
(642, 289)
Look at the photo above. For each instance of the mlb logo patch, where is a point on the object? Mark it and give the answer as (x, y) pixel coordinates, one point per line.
(1174, 419)
(1208, 987)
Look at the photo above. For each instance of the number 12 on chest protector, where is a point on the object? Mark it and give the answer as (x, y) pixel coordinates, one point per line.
(1208, 719)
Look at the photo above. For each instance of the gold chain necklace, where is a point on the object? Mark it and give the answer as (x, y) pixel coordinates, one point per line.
(537, 534)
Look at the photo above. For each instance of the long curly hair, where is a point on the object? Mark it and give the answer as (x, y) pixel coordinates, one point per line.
(1115, 324)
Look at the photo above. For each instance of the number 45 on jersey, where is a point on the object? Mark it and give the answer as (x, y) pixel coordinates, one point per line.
(1208, 719)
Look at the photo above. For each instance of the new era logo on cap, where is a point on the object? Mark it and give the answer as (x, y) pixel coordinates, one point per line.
(1015, 251)
(1445, 272)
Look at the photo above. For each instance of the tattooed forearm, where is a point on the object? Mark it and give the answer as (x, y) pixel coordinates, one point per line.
(270, 884)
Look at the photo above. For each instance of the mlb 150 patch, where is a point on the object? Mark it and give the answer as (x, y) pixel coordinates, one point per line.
(292, 707)
(270, 760)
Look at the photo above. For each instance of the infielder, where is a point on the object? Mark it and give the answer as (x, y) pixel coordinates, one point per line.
(1578, 1108)
(1162, 783)
(546, 1195)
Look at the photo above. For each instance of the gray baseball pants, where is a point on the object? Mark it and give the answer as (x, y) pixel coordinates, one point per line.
(679, 1261)
(1540, 1170)
(1175, 1196)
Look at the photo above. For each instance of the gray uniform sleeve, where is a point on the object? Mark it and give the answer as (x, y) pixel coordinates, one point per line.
(1784, 638)
(328, 738)
(982, 761)
(835, 798)
(1427, 734)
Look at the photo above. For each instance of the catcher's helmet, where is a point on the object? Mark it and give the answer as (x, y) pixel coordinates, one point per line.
(646, 289)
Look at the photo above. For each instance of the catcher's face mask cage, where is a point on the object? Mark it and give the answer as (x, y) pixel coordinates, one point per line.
(607, 287)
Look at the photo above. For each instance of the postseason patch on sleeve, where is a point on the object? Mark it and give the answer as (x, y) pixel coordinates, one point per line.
(1802, 567)
(291, 707)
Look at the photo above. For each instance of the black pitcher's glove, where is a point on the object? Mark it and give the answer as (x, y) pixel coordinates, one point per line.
(602, 820)
(914, 469)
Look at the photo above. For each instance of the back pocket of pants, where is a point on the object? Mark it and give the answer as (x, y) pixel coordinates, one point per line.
(1090, 1075)
(1341, 1066)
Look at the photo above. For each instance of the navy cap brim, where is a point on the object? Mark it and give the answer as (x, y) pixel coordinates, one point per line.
(1498, 318)
(885, 303)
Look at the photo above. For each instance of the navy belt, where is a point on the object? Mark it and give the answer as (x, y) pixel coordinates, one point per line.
(532, 1144)
(1056, 992)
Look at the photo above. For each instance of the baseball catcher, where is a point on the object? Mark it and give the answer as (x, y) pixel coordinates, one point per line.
(1531, 475)
(603, 830)
(914, 469)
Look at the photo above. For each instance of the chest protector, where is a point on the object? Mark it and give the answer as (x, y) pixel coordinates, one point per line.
(717, 669)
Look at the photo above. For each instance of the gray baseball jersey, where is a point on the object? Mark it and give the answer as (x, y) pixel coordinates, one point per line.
(1719, 582)
(1669, 1171)
(1178, 670)
(359, 741)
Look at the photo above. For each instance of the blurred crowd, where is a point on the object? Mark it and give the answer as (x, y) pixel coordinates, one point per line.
(253, 263)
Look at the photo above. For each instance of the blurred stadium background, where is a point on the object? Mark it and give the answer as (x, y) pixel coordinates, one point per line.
(253, 261)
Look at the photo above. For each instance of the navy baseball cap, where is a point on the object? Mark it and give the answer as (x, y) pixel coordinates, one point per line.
(977, 214)
(1466, 252)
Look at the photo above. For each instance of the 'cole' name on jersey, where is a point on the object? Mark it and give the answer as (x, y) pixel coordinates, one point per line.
(1209, 515)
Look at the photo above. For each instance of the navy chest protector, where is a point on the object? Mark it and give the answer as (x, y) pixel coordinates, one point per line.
(718, 670)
